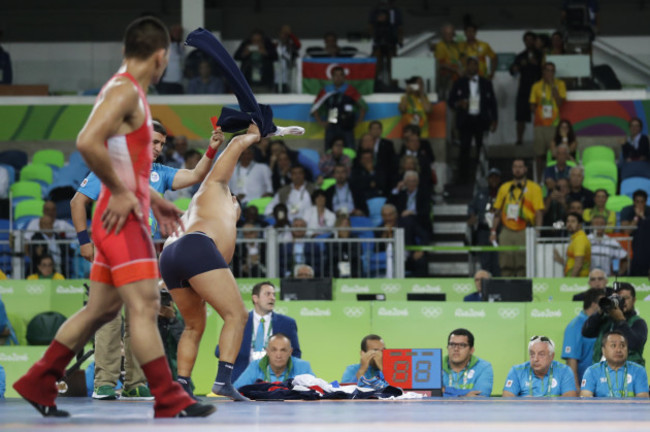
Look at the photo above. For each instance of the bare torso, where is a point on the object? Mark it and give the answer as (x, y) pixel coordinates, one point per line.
(213, 212)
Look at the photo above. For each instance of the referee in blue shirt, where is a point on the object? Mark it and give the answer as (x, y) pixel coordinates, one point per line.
(615, 377)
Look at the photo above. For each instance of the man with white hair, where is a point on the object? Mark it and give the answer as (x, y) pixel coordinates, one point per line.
(413, 205)
(479, 277)
(576, 191)
(605, 251)
(541, 376)
(558, 171)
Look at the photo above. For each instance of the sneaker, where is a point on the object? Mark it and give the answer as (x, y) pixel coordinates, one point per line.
(105, 392)
(197, 410)
(141, 393)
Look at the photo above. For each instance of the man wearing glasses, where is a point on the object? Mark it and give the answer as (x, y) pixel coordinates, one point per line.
(464, 374)
(615, 376)
(541, 376)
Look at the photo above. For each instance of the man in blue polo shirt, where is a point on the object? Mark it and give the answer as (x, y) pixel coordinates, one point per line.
(277, 365)
(464, 374)
(615, 376)
(107, 339)
(541, 376)
(578, 350)
(370, 363)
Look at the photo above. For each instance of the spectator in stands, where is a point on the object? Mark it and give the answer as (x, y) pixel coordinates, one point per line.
(206, 82)
(637, 146)
(45, 269)
(297, 251)
(257, 55)
(528, 65)
(251, 215)
(555, 205)
(42, 235)
(473, 98)
(175, 148)
(464, 374)
(384, 169)
(541, 375)
(639, 211)
(6, 72)
(597, 279)
(383, 149)
(413, 204)
(518, 204)
(370, 362)
(543, 43)
(329, 160)
(598, 379)
(3, 276)
(415, 105)
(482, 51)
(192, 158)
(251, 180)
(564, 134)
(319, 218)
(343, 197)
(479, 277)
(406, 163)
(481, 220)
(422, 151)
(558, 171)
(331, 45)
(546, 98)
(448, 61)
(278, 364)
(303, 271)
(288, 47)
(641, 249)
(340, 102)
(576, 206)
(344, 254)
(578, 350)
(296, 195)
(281, 172)
(557, 44)
(599, 209)
(172, 80)
(416, 262)
(622, 317)
(576, 191)
(366, 178)
(578, 260)
(250, 259)
(275, 148)
(606, 253)
(387, 32)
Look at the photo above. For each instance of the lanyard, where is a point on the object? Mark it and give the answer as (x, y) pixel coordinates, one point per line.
(268, 334)
(458, 384)
(623, 392)
(267, 374)
(338, 199)
(530, 382)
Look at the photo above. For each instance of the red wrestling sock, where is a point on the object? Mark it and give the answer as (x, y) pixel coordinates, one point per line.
(39, 383)
(170, 396)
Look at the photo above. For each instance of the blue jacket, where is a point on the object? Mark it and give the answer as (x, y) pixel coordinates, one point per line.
(260, 369)
(279, 324)
(2, 382)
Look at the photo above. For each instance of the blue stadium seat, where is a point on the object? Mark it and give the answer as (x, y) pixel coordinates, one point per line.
(5, 248)
(12, 172)
(309, 159)
(15, 158)
(635, 169)
(374, 209)
(629, 185)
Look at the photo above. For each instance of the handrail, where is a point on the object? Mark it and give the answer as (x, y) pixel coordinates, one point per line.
(620, 55)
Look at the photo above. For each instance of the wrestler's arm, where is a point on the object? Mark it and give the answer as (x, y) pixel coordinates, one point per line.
(186, 177)
(225, 164)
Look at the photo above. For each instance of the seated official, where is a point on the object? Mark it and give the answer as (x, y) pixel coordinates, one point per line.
(615, 376)
(479, 277)
(370, 364)
(277, 365)
(463, 374)
(541, 376)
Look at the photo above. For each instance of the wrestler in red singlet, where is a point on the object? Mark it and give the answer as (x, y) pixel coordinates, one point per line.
(128, 256)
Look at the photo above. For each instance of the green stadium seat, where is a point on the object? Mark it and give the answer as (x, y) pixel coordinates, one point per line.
(595, 183)
(602, 169)
(617, 202)
(554, 162)
(22, 190)
(38, 172)
(598, 153)
(260, 203)
(182, 203)
(52, 157)
(29, 208)
(20, 328)
(350, 153)
(327, 183)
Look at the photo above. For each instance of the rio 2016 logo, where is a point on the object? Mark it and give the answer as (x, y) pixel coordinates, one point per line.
(431, 312)
(353, 312)
(508, 313)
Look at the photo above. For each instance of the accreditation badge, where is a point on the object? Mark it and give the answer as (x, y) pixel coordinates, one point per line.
(512, 212)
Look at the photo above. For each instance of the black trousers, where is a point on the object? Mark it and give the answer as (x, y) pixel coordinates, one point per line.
(473, 128)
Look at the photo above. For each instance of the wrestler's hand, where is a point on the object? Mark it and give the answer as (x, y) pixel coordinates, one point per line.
(87, 251)
(167, 215)
(217, 138)
(120, 206)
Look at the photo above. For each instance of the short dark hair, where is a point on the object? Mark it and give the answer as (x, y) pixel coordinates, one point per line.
(529, 33)
(376, 122)
(551, 64)
(640, 192)
(335, 139)
(415, 129)
(591, 297)
(576, 215)
(145, 36)
(258, 287)
(462, 332)
(601, 190)
(636, 119)
(316, 194)
(298, 166)
(159, 128)
(626, 286)
(192, 152)
(338, 68)
(42, 257)
(603, 341)
(364, 341)
(330, 33)
(471, 25)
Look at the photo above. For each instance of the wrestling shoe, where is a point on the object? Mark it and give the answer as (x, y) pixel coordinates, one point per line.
(104, 392)
(141, 393)
(197, 410)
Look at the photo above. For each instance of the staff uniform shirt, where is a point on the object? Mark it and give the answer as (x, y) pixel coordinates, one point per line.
(628, 381)
(577, 346)
(254, 372)
(547, 113)
(479, 49)
(350, 373)
(518, 206)
(522, 381)
(579, 246)
(477, 376)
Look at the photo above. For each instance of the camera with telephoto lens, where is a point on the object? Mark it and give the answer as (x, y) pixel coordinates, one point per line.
(612, 301)
(165, 298)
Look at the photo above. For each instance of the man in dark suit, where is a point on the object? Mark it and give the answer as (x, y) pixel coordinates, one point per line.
(261, 325)
(383, 151)
(344, 197)
(473, 99)
(413, 204)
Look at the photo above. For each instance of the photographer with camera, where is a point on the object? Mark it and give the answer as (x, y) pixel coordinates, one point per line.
(170, 326)
(617, 313)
